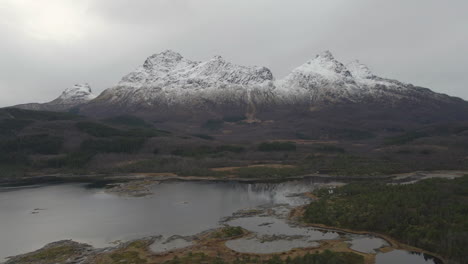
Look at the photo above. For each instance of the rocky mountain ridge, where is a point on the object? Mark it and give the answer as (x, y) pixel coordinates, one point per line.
(168, 83)
(167, 79)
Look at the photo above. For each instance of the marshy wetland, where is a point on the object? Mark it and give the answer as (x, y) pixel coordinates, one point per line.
(176, 218)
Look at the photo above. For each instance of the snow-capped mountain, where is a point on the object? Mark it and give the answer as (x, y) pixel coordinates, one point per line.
(320, 79)
(170, 68)
(167, 79)
(167, 84)
(324, 80)
(71, 97)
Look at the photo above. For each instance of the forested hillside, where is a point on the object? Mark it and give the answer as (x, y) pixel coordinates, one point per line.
(431, 214)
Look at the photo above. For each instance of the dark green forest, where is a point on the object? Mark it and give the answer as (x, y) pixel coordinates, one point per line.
(431, 214)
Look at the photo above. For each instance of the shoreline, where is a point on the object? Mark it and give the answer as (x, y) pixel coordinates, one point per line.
(167, 177)
(394, 243)
(210, 246)
(205, 242)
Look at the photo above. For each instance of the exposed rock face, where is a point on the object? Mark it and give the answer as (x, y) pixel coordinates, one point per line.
(72, 97)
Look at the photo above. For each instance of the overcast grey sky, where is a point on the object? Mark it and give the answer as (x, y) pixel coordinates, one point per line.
(49, 45)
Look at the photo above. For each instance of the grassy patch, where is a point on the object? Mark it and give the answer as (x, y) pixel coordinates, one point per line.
(140, 244)
(200, 172)
(267, 172)
(50, 255)
(179, 165)
(229, 231)
(127, 257)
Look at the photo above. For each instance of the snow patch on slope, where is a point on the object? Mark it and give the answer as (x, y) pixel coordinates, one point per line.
(77, 93)
(359, 70)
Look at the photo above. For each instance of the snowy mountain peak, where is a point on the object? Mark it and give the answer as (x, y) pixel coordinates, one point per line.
(168, 79)
(79, 92)
(326, 55)
(170, 69)
(71, 97)
(219, 71)
(359, 70)
(157, 66)
(218, 58)
(167, 55)
(325, 65)
(166, 59)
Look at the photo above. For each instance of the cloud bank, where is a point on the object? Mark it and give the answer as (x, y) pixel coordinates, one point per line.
(49, 45)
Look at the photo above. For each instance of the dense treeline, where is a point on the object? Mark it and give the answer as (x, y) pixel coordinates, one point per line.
(49, 142)
(404, 138)
(431, 214)
(36, 144)
(16, 113)
(73, 160)
(127, 120)
(98, 130)
(117, 145)
(439, 130)
(234, 118)
(101, 130)
(213, 124)
(352, 165)
(325, 257)
(9, 127)
(205, 150)
(277, 146)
